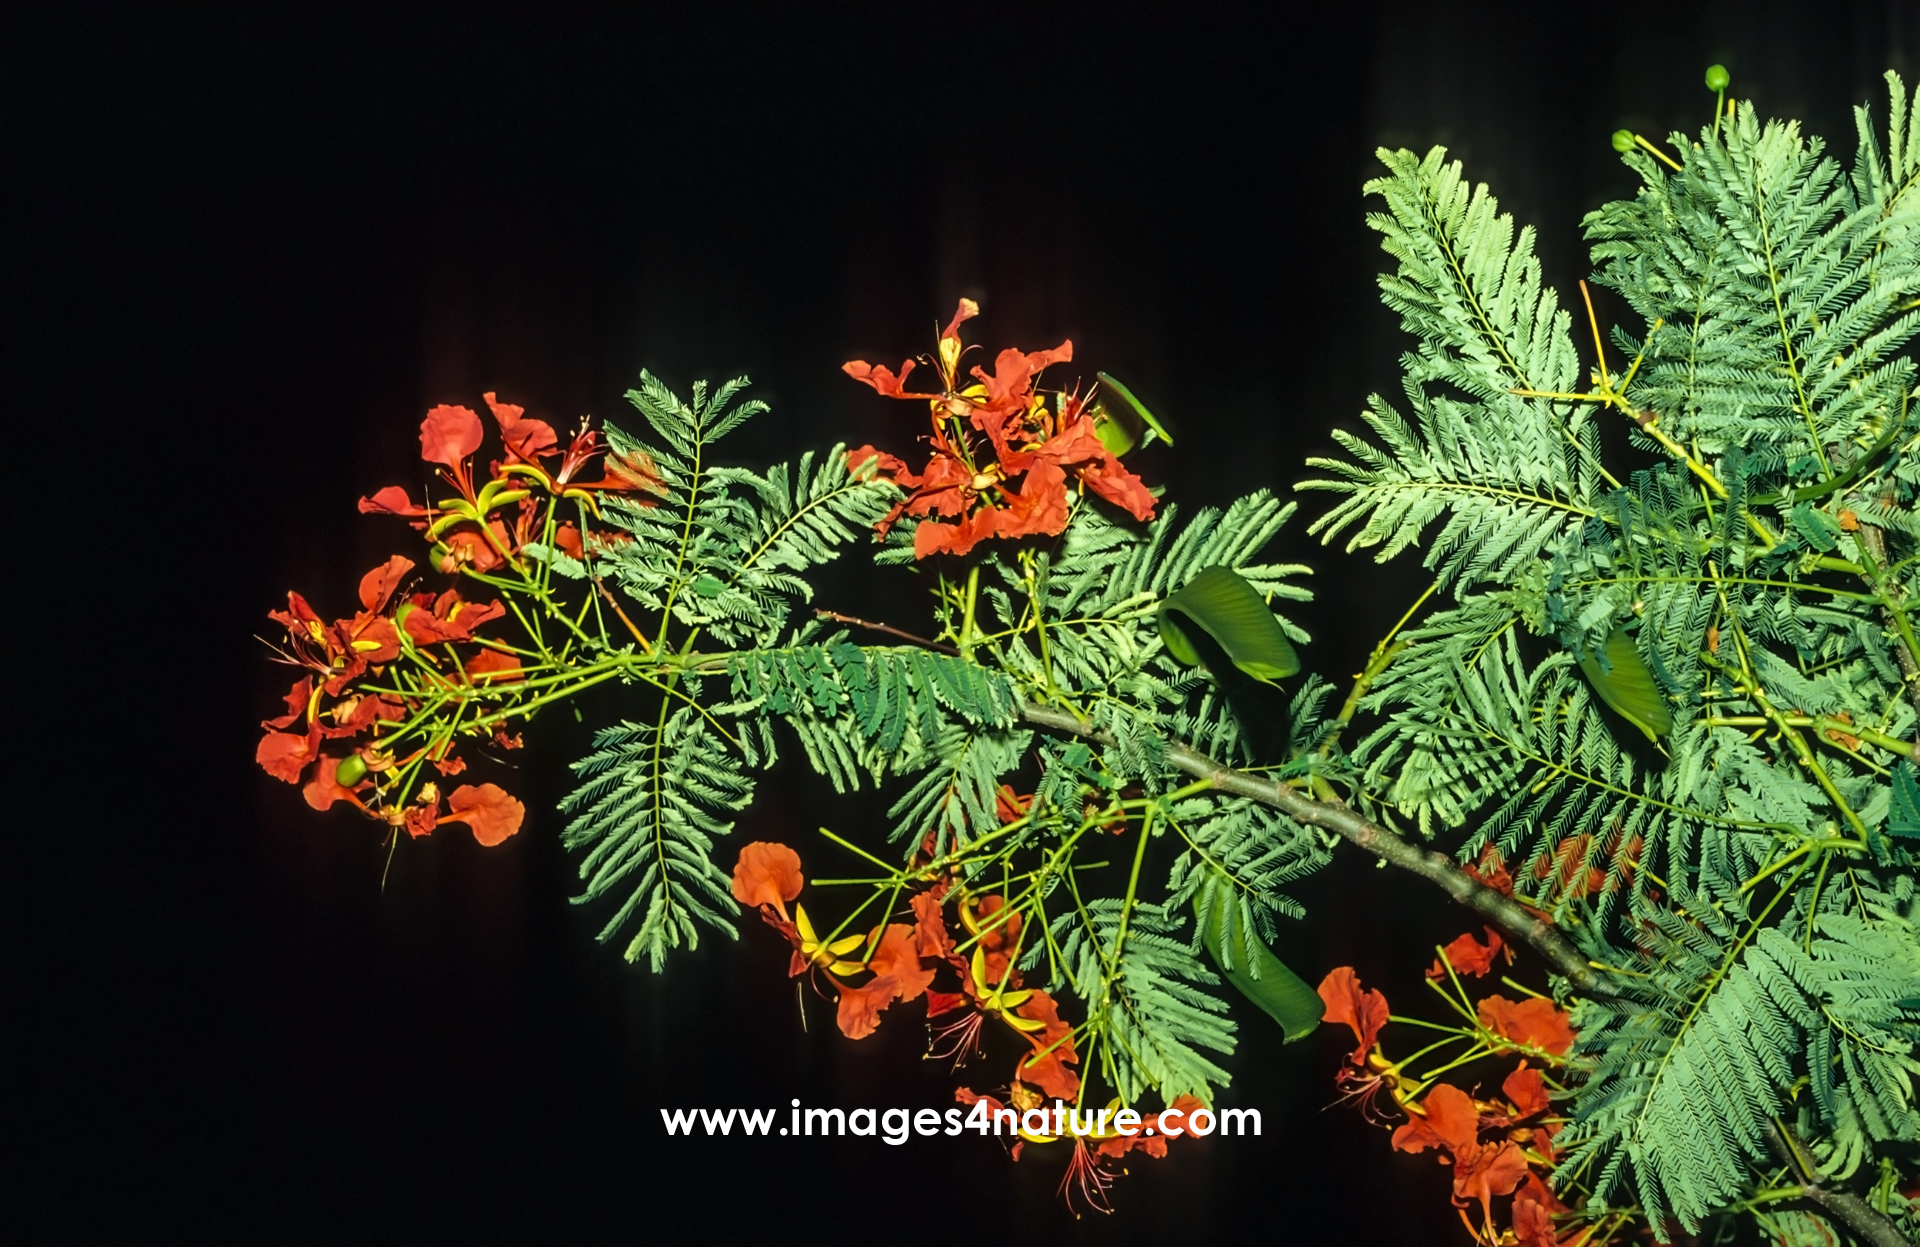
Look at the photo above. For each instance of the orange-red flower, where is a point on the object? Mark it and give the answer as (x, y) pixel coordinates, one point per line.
(767, 874)
(860, 1008)
(1480, 1171)
(1532, 1023)
(965, 494)
(488, 810)
(898, 959)
(1469, 956)
(1364, 1011)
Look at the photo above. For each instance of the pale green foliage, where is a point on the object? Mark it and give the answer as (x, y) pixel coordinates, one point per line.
(650, 809)
(720, 549)
(1747, 875)
(1146, 1002)
(1509, 473)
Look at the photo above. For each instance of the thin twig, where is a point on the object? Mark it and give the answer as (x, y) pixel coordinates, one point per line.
(1871, 1225)
(889, 629)
(1503, 911)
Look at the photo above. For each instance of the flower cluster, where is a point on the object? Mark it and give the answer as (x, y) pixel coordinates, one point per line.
(971, 942)
(487, 527)
(1499, 1145)
(989, 433)
(391, 687)
(336, 700)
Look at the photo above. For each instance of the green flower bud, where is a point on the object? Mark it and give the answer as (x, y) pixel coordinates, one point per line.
(1718, 77)
(353, 768)
(1623, 141)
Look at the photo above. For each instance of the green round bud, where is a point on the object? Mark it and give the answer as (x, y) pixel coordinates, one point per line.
(1718, 77)
(353, 768)
(1623, 141)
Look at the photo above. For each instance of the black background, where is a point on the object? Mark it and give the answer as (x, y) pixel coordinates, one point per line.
(250, 247)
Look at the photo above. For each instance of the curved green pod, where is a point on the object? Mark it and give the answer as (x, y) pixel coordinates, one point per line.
(1626, 685)
(1283, 995)
(1220, 603)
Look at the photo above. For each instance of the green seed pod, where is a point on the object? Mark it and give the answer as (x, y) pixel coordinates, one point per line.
(1718, 77)
(1623, 141)
(353, 768)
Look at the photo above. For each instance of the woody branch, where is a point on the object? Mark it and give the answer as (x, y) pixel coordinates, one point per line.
(1504, 912)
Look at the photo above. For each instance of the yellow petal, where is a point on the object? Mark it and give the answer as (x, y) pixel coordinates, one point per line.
(979, 964)
(846, 945)
(805, 927)
(1027, 1025)
(1013, 1000)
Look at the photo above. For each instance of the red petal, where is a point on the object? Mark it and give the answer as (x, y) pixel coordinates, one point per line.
(392, 500)
(449, 434)
(861, 1007)
(897, 959)
(284, 755)
(1469, 956)
(323, 789)
(488, 811)
(502, 668)
(767, 874)
(1526, 1090)
(882, 378)
(966, 311)
(297, 698)
(524, 439)
(1365, 1011)
(1533, 1022)
(378, 585)
(1452, 1122)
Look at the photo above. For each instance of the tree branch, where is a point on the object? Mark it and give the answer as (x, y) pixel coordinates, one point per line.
(889, 629)
(1870, 1224)
(1502, 911)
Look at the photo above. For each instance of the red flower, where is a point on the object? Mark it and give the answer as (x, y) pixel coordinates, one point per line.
(1526, 1090)
(767, 874)
(491, 669)
(488, 811)
(1151, 1137)
(392, 500)
(1365, 1011)
(284, 755)
(1469, 956)
(1533, 1023)
(449, 435)
(1052, 1048)
(525, 440)
(1567, 873)
(1452, 1122)
(451, 618)
(961, 484)
(1492, 871)
(931, 938)
(325, 788)
(860, 1007)
(896, 958)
